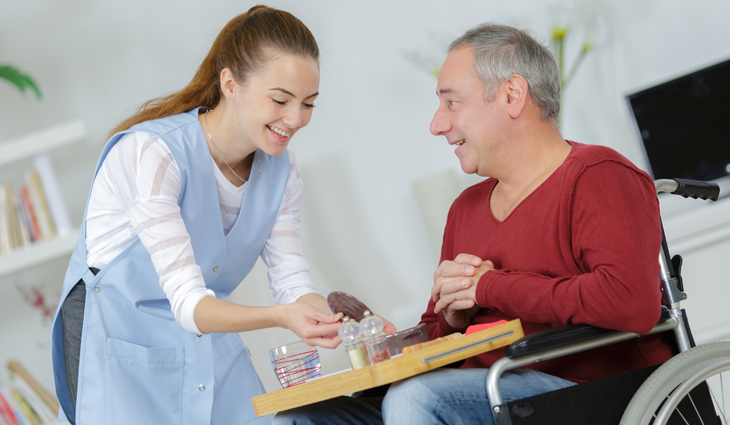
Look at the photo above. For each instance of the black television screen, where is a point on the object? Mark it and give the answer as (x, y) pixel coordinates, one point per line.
(684, 124)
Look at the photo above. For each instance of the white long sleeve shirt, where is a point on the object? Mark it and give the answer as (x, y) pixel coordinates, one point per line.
(135, 196)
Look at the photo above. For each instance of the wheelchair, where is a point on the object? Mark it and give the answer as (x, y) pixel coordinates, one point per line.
(687, 389)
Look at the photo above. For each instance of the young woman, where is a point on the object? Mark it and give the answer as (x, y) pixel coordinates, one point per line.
(187, 194)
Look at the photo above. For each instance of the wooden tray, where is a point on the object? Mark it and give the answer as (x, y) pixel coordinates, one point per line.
(389, 371)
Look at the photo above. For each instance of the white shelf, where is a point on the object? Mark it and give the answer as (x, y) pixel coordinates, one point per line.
(27, 146)
(38, 253)
(41, 141)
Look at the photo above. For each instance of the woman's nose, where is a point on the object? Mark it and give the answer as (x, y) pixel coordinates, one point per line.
(293, 118)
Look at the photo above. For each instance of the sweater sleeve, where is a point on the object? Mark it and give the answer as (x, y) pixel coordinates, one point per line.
(611, 231)
(436, 323)
(288, 269)
(143, 177)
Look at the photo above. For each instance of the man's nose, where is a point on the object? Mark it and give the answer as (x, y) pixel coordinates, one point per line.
(439, 124)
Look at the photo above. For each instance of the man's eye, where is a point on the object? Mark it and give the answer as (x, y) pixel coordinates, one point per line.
(451, 102)
(279, 102)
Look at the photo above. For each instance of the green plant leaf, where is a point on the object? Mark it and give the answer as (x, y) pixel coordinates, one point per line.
(19, 80)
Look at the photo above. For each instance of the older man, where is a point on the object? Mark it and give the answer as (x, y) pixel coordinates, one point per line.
(559, 233)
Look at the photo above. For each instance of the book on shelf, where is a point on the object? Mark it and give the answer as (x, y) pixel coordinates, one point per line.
(33, 212)
(29, 217)
(33, 400)
(37, 198)
(43, 165)
(8, 412)
(22, 224)
(13, 223)
(6, 242)
(23, 401)
(32, 217)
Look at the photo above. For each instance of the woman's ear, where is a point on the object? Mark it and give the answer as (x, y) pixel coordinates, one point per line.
(516, 92)
(228, 84)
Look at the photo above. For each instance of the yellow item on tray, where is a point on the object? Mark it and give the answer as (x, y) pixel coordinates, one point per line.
(422, 345)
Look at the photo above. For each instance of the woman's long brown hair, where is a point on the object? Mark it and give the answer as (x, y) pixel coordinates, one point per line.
(244, 46)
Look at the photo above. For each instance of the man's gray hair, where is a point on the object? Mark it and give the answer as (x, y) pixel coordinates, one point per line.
(500, 51)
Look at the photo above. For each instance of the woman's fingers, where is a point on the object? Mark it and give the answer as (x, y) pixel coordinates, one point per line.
(323, 317)
(314, 326)
(324, 342)
(323, 335)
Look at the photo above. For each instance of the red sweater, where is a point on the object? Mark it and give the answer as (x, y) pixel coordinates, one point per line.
(582, 248)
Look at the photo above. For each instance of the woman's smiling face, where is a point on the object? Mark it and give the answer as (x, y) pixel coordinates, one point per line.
(272, 105)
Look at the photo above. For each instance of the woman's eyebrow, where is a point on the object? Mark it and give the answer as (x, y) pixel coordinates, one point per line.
(285, 91)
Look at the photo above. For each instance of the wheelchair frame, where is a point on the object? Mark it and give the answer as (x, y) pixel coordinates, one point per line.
(571, 339)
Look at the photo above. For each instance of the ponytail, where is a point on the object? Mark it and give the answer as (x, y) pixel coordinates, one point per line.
(244, 46)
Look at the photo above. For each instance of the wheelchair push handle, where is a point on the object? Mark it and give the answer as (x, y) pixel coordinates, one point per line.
(689, 188)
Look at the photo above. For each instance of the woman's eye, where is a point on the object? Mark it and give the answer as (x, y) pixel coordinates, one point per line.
(308, 105)
(279, 102)
(451, 102)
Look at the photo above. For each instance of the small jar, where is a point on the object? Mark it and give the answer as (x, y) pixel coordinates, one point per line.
(354, 347)
(371, 328)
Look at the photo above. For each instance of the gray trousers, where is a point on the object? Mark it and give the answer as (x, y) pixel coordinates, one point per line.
(72, 317)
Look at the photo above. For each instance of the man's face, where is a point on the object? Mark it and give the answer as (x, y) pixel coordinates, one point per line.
(467, 120)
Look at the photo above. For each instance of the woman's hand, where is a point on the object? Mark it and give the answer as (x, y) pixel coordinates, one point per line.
(316, 300)
(311, 324)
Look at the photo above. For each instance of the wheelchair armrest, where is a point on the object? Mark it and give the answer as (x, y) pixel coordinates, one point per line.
(561, 337)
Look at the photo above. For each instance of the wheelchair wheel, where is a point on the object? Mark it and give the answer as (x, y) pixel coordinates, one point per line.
(687, 389)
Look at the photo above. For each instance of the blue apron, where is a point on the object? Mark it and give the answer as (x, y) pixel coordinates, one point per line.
(137, 365)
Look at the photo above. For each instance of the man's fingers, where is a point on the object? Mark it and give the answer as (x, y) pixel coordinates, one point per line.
(438, 281)
(464, 265)
(458, 269)
(435, 290)
(462, 304)
(454, 296)
(440, 268)
(468, 259)
(452, 285)
(448, 285)
(440, 305)
(460, 260)
(388, 327)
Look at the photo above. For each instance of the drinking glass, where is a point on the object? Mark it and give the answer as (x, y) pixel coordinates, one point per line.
(295, 363)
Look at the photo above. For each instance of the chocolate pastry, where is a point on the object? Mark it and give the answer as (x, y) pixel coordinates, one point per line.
(341, 302)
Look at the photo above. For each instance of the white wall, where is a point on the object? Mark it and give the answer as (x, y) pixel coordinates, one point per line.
(368, 142)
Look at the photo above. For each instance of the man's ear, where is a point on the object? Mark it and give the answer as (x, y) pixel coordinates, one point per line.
(228, 84)
(516, 92)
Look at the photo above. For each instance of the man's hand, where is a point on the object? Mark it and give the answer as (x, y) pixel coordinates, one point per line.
(454, 288)
(388, 327)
